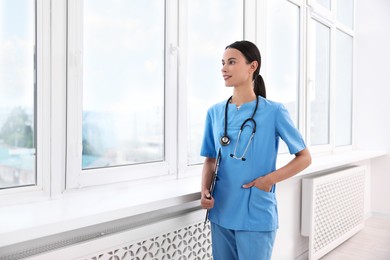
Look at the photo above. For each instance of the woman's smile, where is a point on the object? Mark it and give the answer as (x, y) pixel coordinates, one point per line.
(226, 77)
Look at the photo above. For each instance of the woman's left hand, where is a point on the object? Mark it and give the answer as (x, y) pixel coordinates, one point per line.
(260, 183)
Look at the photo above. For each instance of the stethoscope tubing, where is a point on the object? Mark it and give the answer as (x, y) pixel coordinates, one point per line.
(225, 140)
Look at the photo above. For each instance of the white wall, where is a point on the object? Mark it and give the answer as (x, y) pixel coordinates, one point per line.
(372, 93)
(289, 242)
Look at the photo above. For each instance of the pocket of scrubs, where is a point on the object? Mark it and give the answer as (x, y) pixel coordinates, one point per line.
(263, 213)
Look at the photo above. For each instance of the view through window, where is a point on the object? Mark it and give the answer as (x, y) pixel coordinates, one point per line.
(17, 98)
(123, 83)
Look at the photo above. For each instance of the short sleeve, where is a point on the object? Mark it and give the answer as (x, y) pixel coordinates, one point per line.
(288, 132)
(208, 144)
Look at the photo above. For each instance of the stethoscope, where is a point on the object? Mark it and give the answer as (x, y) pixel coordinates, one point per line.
(225, 140)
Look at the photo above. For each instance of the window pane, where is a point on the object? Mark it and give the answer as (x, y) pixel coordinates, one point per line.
(17, 88)
(319, 96)
(343, 91)
(123, 82)
(345, 12)
(207, 40)
(283, 55)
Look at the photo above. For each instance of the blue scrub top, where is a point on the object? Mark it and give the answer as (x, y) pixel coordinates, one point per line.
(235, 207)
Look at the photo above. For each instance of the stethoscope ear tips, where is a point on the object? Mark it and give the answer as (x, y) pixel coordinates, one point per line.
(242, 158)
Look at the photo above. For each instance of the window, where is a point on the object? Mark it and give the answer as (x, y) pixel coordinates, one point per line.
(130, 91)
(118, 71)
(18, 90)
(206, 43)
(343, 86)
(123, 83)
(319, 84)
(142, 113)
(282, 56)
(330, 76)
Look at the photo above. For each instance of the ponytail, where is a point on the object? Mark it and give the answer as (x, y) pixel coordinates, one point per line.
(259, 86)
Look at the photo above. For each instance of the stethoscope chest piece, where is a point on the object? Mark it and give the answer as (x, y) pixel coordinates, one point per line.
(225, 140)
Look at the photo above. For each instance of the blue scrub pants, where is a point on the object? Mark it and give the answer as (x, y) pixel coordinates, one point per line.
(241, 245)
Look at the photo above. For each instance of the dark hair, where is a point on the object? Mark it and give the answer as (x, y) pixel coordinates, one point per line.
(251, 53)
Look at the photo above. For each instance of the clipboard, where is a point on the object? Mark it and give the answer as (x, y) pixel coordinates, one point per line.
(213, 181)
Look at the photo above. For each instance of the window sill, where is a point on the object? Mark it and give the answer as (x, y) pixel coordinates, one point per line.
(78, 209)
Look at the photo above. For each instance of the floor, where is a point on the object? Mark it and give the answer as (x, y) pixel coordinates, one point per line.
(371, 243)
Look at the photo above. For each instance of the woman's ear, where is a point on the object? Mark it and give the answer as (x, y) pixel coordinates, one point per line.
(254, 65)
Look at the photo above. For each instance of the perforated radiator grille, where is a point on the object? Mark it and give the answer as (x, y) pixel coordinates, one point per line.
(170, 233)
(337, 208)
(191, 242)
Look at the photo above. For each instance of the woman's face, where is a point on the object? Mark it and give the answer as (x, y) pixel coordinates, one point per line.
(235, 69)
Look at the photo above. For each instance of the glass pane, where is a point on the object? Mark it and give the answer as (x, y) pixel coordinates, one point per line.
(17, 98)
(324, 3)
(345, 12)
(343, 91)
(123, 82)
(319, 97)
(282, 62)
(207, 40)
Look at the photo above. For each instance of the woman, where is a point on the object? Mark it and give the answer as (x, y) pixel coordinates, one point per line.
(245, 130)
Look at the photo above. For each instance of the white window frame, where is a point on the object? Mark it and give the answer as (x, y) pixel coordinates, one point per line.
(328, 18)
(42, 113)
(349, 146)
(75, 176)
(310, 81)
(59, 140)
(351, 32)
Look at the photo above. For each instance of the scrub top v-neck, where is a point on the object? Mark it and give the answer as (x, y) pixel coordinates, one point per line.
(235, 207)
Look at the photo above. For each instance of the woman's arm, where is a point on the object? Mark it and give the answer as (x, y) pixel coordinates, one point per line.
(301, 161)
(207, 201)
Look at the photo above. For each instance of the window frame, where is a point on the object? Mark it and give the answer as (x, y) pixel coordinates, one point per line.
(58, 96)
(42, 112)
(310, 82)
(329, 18)
(76, 177)
(351, 32)
(347, 146)
(175, 164)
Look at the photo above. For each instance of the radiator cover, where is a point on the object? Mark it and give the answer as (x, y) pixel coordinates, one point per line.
(332, 208)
